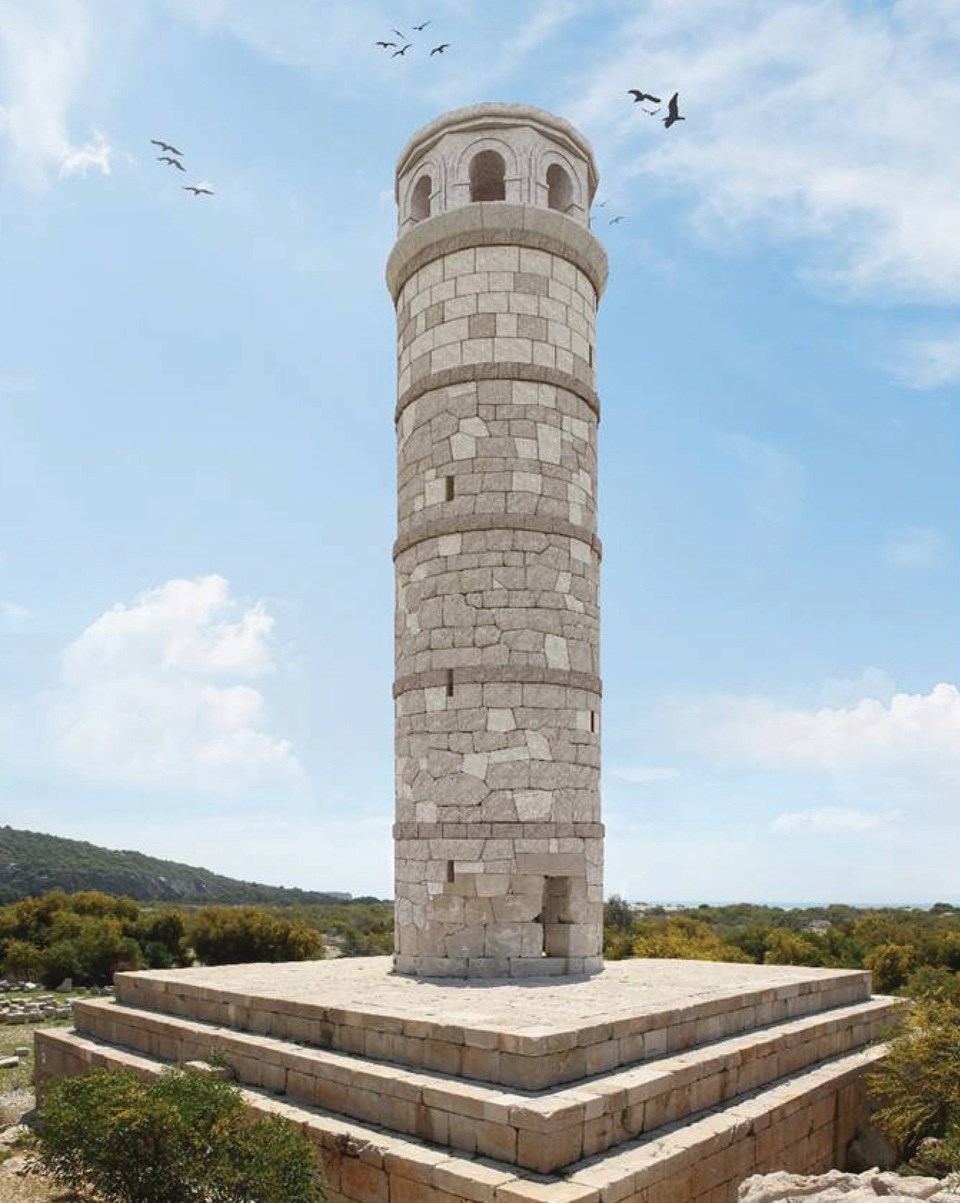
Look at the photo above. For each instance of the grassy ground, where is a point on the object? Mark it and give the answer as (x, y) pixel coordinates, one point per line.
(16, 1103)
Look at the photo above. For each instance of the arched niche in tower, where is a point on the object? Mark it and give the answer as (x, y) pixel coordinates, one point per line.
(560, 183)
(420, 198)
(494, 176)
(488, 173)
(559, 188)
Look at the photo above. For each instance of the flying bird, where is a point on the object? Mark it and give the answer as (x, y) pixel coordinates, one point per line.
(439, 49)
(398, 33)
(167, 148)
(197, 191)
(421, 28)
(615, 220)
(172, 162)
(601, 204)
(673, 112)
(638, 96)
(402, 50)
(385, 45)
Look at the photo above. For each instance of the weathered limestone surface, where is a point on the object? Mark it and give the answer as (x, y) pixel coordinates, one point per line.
(851, 1188)
(652, 1082)
(499, 844)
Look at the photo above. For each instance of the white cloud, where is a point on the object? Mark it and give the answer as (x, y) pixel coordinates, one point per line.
(157, 693)
(46, 48)
(832, 819)
(914, 737)
(824, 124)
(928, 361)
(12, 615)
(840, 692)
(96, 153)
(914, 547)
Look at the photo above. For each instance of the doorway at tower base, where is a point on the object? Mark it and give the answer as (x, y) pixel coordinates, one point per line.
(501, 904)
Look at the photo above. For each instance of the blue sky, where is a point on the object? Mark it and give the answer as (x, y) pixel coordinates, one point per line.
(196, 442)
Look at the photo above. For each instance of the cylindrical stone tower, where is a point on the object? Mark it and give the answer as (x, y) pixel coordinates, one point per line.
(496, 278)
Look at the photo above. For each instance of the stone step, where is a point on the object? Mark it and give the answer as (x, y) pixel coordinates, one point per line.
(541, 1131)
(801, 1124)
(528, 1035)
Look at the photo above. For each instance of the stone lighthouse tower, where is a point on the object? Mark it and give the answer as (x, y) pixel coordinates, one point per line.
(496, 278)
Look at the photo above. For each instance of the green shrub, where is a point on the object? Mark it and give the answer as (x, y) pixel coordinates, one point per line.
(917, 1085)
(224, 935)
(891, 966)
(184, 1137)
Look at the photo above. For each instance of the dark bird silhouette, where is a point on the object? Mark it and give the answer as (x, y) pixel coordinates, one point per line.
(167, 148)
(673, 112)
(172, 162)
(197, 191)
(615, 220)
(398, 33)
(385, 45)
(638, 96)
(402, 50)
(421, 28)
(439, 49)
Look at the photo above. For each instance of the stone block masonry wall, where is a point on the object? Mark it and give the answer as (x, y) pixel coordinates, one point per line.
(499, 843)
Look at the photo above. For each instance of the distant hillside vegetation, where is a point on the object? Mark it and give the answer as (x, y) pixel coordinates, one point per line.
(32, 863)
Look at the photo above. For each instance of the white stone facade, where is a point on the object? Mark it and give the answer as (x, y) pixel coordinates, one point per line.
(499, 843)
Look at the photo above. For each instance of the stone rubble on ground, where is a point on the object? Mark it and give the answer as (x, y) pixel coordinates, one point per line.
(782, 1187)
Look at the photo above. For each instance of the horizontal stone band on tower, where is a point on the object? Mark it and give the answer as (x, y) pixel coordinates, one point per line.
(529, 228)
(535, 373)
(517, 674)
(498, 831)
(541, 525)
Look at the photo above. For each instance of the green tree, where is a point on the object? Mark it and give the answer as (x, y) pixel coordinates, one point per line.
(785, 947)
(917, 1085)
(21, 961)
(184, 1137)
(617, 913)
(891, 966)
(235, 935)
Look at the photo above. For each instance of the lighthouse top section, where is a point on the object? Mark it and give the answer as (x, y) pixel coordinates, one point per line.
(495, 152)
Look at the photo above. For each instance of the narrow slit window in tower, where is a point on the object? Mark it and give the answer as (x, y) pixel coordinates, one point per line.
(487, 172)
(451, 870)
(593, 722)
(559, 188)
(449, 682)
(420, 200)
(449, 488)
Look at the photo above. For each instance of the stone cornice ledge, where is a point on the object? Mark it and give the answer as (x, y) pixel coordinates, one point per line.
(496, 223)
(459, 524)
(496, 674)
(470, 372)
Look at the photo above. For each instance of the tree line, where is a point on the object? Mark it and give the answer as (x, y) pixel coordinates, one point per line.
(88, 936)
(908, 951)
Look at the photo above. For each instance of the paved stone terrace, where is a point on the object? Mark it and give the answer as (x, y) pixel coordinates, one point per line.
(529, 1035)
(536, 1008)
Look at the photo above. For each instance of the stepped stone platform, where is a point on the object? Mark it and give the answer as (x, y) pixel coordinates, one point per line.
(651, 1082)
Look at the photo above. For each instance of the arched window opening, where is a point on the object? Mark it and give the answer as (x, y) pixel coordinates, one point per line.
(487, 171)
(420, 200)
(559, 188)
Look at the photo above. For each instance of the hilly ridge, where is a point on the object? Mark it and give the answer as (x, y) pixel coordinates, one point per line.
(32, 863)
